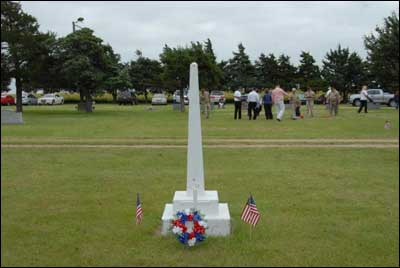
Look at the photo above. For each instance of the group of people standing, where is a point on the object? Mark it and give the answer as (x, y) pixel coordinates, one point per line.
(272, 97)
(276, 97)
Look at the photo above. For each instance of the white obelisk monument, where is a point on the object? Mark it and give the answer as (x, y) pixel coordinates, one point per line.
(195, 196)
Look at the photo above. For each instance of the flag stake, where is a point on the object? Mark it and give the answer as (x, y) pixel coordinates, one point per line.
(250, 230)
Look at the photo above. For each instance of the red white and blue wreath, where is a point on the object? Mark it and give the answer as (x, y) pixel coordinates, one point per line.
(189, 236)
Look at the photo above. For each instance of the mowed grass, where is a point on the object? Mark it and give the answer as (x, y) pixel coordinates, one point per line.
(320, 207)
(113, 122)
(76, 206)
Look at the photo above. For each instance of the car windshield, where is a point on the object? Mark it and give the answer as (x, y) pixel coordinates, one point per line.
(219, 93)
(49, 95)
(159, 95)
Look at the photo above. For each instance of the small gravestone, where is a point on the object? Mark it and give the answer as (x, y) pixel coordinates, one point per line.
(11, 118)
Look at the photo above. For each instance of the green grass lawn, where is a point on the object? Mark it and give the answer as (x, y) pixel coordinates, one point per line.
(76, 206)
(113, 121)
(319, 207)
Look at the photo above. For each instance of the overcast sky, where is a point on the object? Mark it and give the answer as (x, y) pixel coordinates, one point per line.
(263, 27)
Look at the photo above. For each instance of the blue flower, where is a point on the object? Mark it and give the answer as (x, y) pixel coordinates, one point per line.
(199, 237)
(196, 217)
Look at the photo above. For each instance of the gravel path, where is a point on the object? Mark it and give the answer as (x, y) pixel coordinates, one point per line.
(228, 146)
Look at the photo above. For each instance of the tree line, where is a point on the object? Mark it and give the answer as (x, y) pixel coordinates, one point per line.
(81, 62)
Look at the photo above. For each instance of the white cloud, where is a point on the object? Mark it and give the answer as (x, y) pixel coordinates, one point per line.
(263, 27)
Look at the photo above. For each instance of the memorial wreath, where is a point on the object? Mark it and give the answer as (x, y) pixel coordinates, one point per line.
(189, 236)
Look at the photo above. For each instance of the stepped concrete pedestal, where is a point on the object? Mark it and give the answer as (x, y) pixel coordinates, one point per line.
(196, 197)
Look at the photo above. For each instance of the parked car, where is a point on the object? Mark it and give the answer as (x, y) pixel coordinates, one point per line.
(177, 97)
(377, 96)
(7, 100)
(159, 99)
(126, 97)
(51, 99)
(29, 99)
(217, 96)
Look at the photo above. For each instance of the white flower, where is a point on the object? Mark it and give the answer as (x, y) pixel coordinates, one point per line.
(203, 223)
(192, 241)
(177, 230)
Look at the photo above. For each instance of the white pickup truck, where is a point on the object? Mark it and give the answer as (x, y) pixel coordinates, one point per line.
(377, 95)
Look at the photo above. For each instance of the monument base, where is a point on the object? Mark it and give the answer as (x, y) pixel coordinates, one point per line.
(11, 118)
(216, 214)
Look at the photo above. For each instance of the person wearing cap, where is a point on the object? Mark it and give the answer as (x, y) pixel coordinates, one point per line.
(295, 103)
(205, 102)
(334, 100)
(278, 95)
(310, 96)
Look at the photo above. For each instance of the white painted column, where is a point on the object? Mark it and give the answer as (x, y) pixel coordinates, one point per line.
(195, 168)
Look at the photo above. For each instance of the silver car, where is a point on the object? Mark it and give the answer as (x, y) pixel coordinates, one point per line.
(159, 99)
(29, 99)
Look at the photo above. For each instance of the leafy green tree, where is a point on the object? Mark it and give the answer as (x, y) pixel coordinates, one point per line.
(383, 52)
(286, 72)
(345, 69)
(85, 64)
(308, 71)
(145, 73)
(5, 71)
(240, 71)
(267, 71)
(120, 80)
(176, 63)
(209, 70)
(44, 71)
(209, 50)
(18, 31)
(222, 65)
(116, 74)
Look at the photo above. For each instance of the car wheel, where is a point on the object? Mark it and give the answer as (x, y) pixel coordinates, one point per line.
(392, 103)
(357, 103)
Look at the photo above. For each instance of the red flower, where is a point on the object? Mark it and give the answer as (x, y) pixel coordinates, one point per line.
(191, 235)
(190, 217)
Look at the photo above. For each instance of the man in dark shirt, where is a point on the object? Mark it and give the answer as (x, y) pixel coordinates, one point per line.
(267, 101)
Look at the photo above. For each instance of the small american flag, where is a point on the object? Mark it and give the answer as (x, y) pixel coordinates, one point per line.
(139, 211)
(250, 212)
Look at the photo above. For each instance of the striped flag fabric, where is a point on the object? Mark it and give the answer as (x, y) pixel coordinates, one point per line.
(139, 211)
(250, 212)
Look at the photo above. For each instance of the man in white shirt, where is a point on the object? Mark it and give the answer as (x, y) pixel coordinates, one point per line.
(364, 97)
(253, 99)
(237, 97)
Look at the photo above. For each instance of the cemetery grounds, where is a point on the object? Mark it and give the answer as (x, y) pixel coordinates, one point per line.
(327, 189)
